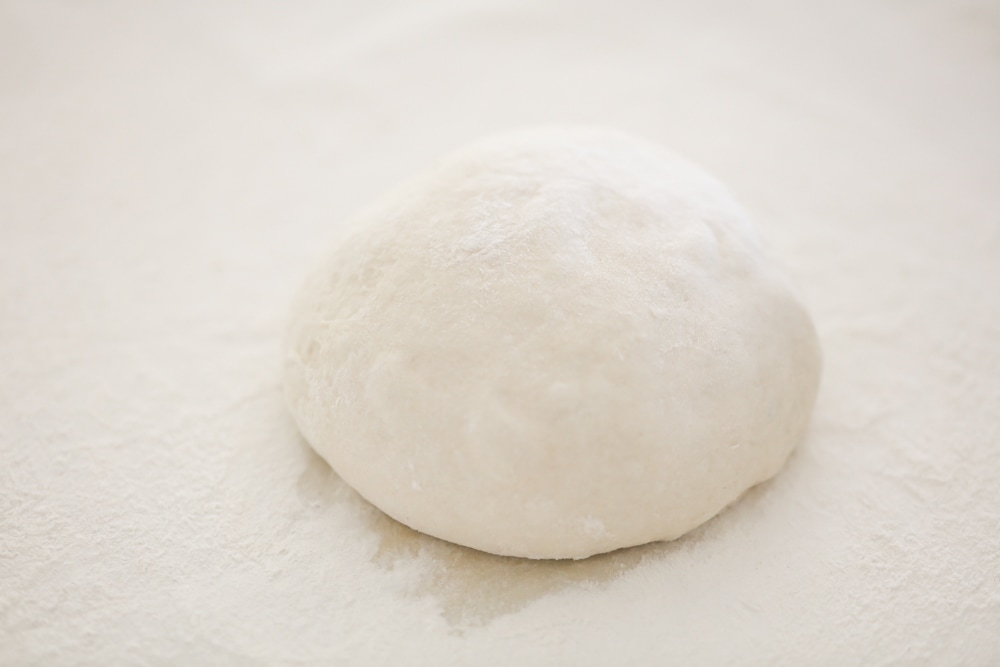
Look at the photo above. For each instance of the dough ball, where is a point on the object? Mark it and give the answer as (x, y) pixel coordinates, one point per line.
(556, 343)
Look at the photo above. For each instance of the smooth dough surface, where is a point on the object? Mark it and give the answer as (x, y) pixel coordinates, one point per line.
(555, 343)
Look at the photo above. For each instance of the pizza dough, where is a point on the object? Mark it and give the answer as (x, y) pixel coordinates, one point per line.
(558, 342)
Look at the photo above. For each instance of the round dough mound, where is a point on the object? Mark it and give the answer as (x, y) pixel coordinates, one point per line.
(556, 343)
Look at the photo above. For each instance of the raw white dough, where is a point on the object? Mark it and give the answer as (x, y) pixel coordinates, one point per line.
(558, 342)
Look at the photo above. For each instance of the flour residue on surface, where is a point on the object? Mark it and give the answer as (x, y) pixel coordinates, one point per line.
(169, 171)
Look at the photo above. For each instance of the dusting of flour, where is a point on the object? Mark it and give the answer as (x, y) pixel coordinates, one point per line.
(168, 172)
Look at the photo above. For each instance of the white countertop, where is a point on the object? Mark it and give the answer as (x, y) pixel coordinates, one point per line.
(169, 171)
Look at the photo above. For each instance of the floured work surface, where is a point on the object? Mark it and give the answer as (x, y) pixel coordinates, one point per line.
(166, 176)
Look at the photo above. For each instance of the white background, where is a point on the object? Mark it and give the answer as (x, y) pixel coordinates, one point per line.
(168, 172)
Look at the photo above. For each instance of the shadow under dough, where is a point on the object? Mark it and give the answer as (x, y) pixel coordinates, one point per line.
(473, 587)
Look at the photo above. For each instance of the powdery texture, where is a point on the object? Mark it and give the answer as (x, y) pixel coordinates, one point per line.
(557, 343)
(167, 171)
